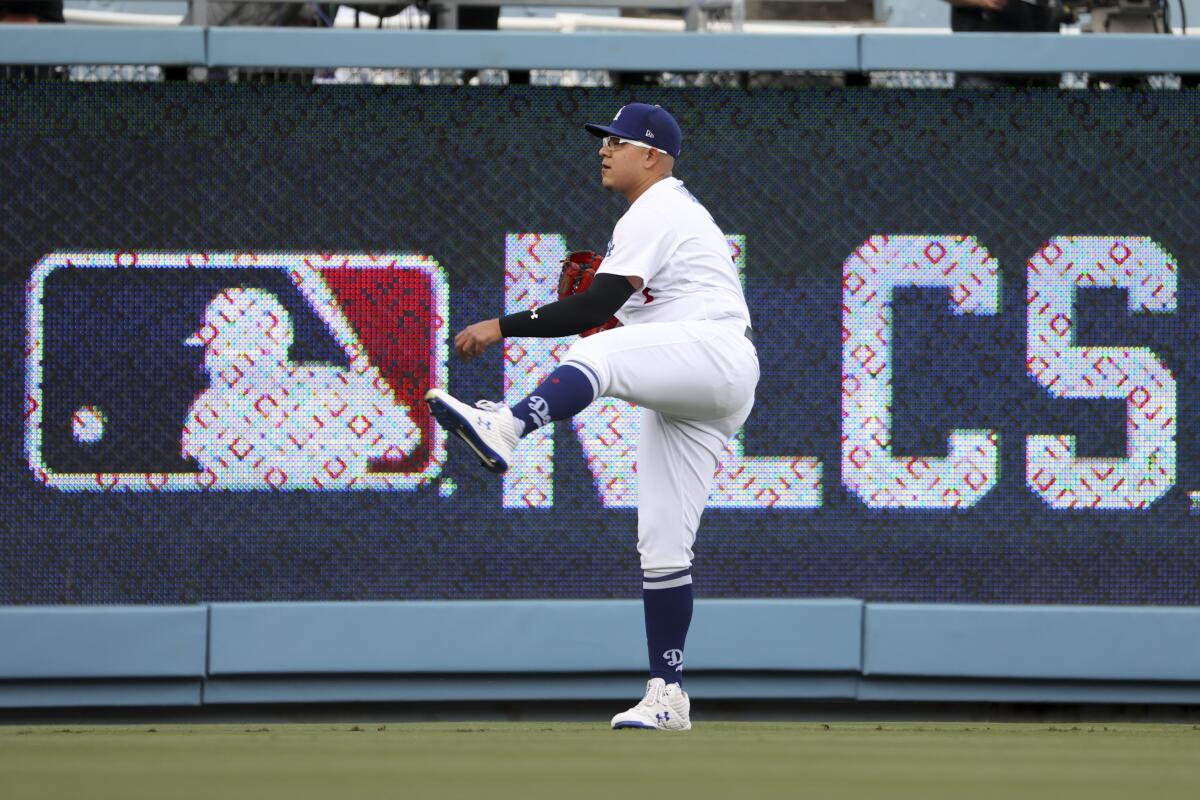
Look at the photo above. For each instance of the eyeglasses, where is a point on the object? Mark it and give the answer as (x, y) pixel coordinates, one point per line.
(612, 141)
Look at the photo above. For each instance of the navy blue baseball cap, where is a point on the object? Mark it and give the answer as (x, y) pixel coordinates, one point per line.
(643, 123)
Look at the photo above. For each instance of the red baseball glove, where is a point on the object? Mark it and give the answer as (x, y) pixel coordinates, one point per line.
(578, 270)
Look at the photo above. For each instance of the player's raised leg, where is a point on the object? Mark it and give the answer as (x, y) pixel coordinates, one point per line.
(487, 428)
(491, 430)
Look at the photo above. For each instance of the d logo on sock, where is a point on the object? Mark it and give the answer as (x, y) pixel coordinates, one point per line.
(540, 409)
(674, 659)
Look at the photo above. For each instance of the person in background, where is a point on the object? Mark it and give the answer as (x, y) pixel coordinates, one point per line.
(24, 12)
(31, 13)
(1005, 16)
(477, 18)
(263, 15)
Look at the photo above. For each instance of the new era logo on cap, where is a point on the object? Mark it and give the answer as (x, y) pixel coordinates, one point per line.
(642, 122)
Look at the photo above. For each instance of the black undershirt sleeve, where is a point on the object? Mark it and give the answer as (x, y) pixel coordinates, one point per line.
(573, 314)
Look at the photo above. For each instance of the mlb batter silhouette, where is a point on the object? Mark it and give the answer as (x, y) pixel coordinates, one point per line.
(267, 422)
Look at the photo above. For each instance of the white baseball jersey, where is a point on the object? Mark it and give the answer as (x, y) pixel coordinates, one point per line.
(670, 241)
(682, 356)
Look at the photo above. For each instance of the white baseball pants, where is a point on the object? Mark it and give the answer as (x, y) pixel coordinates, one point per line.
(694, 382)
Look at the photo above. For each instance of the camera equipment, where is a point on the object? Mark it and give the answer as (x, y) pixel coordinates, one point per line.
(1116, 16)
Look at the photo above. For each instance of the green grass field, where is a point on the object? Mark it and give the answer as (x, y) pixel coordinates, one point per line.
(575, 761)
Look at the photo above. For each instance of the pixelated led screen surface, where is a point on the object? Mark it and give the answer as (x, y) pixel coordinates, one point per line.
(976, 316)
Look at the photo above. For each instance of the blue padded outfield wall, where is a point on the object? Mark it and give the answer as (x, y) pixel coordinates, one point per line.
(977, 320)
(572, 650)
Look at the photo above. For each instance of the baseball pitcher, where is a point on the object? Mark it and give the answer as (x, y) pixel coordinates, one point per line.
(679, 348)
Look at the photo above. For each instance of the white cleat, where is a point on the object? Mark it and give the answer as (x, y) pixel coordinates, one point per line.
(665, 707)
(486, 427)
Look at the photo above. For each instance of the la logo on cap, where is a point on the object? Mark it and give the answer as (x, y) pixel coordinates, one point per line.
(658, 128)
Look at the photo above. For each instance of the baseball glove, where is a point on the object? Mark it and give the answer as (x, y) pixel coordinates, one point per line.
(578, 270)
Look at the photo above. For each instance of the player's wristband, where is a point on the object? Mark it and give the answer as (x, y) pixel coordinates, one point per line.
(573, 314)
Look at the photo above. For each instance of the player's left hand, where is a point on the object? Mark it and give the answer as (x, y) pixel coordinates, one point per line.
(474, 339)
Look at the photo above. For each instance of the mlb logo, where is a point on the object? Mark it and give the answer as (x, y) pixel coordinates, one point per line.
(234, 371)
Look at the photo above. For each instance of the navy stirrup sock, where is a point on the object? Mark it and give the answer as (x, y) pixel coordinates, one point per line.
(667, 600)
(564, 393)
